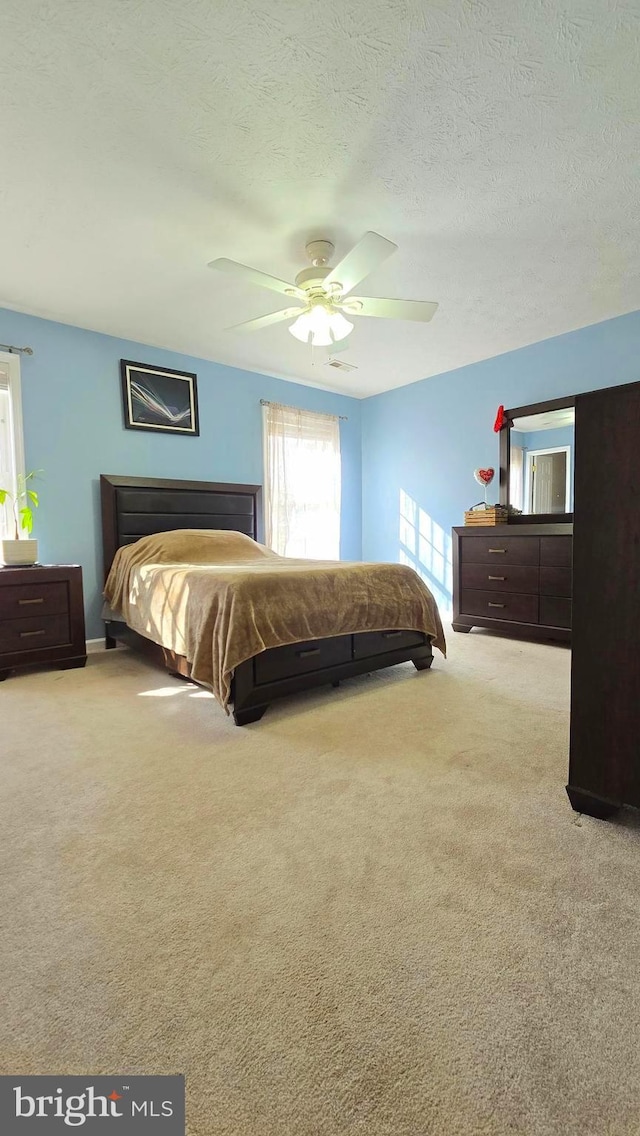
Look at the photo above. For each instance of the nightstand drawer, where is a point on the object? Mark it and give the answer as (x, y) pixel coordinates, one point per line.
(34, 632)
(500, 577)
(500, 605)
(20, 600)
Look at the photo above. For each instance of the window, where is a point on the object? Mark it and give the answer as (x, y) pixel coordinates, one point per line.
(11, 450)
(302, 482)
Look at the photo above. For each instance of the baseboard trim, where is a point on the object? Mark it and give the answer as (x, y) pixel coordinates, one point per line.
(94, 645)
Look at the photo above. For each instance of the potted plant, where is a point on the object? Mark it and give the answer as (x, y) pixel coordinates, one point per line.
(21, 551)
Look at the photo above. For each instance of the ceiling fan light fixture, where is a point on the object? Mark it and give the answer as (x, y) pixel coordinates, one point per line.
(301, 328)
(340, 327)
(321, 338)
(320, 327)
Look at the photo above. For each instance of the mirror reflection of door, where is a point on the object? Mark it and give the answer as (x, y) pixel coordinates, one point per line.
(547, 480)
(535, 438)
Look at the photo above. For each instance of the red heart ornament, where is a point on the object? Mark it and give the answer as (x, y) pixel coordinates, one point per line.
(484, 476)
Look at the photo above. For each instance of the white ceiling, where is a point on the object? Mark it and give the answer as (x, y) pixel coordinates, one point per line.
(495, 141)
(548, 420)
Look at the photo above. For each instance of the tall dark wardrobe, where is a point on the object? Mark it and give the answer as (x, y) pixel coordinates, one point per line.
(604, 764)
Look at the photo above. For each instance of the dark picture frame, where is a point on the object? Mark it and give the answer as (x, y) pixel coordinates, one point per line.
(159, 399)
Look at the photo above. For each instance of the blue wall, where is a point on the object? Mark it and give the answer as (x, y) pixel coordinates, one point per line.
(408, 480)
(421, 443)
(74, 431)
(544, 439)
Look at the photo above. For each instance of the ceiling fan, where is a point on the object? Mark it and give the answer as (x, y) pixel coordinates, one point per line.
(323, 294)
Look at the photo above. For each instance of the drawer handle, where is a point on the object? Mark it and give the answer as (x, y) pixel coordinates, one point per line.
(496, 577)
(26, 634)
(497, 550)
(391, 634)
(496, 605)
(307, 654)
(40, 599)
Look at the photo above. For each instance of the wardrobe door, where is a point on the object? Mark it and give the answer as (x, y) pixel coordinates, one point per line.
(604, 768)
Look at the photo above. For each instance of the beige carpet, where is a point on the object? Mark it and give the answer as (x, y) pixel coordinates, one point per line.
(372, 912)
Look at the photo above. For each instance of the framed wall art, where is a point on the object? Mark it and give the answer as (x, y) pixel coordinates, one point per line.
(159, 398)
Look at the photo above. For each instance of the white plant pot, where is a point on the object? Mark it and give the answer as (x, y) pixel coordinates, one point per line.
(19, 553)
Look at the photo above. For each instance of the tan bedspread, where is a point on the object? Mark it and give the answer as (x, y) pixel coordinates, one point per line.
(219, 598)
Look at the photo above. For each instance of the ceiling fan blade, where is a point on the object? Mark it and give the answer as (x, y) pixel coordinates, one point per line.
(255, 276)
(421, 310)
(266, 321)
(366, 255)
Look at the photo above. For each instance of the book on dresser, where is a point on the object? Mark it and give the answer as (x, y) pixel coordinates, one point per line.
(513, 578)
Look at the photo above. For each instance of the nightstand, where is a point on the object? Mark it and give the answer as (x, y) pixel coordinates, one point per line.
(41, 617)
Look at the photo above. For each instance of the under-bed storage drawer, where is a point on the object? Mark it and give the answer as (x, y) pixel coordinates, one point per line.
(299, 658)
(367, 643)
(500, 605)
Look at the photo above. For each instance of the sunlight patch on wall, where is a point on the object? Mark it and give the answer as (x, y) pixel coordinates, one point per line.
(427, 548)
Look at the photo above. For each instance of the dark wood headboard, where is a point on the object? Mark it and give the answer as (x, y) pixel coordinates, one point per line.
(138, 506)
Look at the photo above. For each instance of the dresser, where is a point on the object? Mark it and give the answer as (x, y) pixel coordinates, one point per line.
(514, 578)
(604, 767)
(41, 617)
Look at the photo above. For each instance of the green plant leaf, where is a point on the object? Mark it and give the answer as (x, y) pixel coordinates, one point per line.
(4, 493)
(26, 519)
(33, 497)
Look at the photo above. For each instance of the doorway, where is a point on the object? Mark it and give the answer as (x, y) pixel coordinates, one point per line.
(548, 487)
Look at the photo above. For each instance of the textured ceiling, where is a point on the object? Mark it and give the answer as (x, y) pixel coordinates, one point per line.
(495, 141)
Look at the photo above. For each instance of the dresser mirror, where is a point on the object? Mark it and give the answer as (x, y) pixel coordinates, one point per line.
(537, 460)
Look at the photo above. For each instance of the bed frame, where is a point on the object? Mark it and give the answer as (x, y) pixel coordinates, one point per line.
(133, 507)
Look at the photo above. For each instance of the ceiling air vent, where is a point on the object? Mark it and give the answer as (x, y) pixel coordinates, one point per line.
(339, 365)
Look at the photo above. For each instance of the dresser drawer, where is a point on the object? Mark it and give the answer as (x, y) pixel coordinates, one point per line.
(500, 605)
(555, 582)
(500, 549)
(555, 551)
(33, 632)
(367, 643)
(299, 658)
(20, 600)
(555, 612)
(500, 578)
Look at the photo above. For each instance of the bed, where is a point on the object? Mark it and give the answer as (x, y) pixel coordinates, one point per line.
(149, 512)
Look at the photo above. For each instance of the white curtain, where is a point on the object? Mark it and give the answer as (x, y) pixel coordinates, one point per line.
(302, 482)
(516, 477)
(7, 458)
